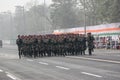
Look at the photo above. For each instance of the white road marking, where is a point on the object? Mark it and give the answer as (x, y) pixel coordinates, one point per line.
(102, 60)
(29, 60)
(43, 63)
(91, 74)
(63, 67)
(12, 76)
(1, 70)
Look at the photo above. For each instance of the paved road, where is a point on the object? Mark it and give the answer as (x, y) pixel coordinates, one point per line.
(103, 65)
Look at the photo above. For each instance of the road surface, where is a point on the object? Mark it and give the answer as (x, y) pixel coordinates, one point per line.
(102, 65)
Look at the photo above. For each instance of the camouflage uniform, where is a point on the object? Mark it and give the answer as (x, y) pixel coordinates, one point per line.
(90, 42)
(19, 43)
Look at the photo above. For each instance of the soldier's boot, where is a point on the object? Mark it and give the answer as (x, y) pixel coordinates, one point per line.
(90, 52)
(19, 55)
(83, 52)
(80, 52)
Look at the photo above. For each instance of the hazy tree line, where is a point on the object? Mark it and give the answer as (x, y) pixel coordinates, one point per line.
(40, 19)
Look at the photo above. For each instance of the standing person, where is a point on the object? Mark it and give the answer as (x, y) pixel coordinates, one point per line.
(19, 43)
(90, 41)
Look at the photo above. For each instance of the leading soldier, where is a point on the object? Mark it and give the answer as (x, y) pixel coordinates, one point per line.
(19, 43)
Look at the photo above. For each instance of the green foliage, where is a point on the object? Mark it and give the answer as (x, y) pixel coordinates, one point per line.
(61, 14)
(64, 13)
(35, 20)
(115, 11)
(104, 10)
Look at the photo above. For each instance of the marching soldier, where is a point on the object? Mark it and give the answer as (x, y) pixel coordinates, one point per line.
(57, 45)
(83, 44)
(90, 42)
(19, 43)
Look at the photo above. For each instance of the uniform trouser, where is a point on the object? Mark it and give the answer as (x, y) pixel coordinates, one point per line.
(19, 50)
(83, 52)
(35, 54)
(49, 52)
(90, 51)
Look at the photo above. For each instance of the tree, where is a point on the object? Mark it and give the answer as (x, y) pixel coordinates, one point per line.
(102, 11)
(115, 11)
(6, 27)
(20, 20)
(33, 21)
(64, 14)
(38, 19)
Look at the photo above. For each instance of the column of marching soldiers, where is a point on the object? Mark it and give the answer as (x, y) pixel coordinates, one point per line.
(54, 45)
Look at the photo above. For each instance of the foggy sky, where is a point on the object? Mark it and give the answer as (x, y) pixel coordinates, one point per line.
(9, 5)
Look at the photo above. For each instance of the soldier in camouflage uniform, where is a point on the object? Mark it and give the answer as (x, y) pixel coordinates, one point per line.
(83, 44)
(19, 43)
(90, 42)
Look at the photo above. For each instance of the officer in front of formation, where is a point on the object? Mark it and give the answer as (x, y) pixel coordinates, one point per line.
(0, 43)
(90, 42)
(19, 43)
